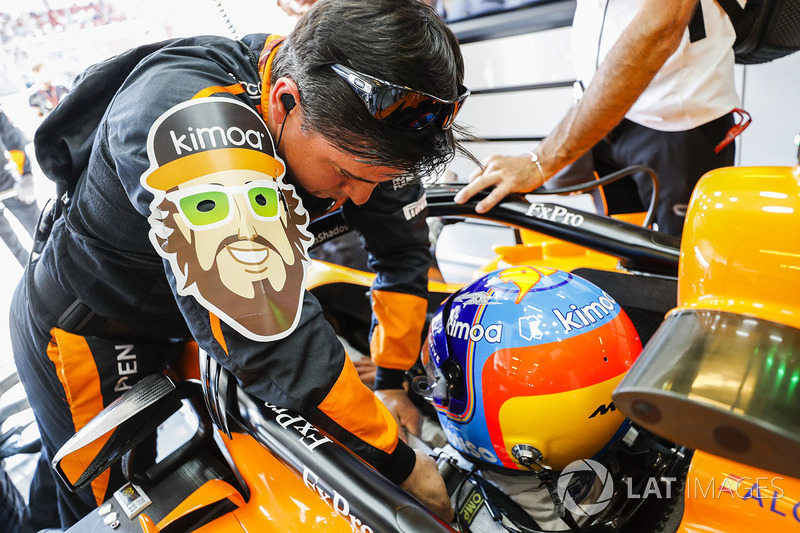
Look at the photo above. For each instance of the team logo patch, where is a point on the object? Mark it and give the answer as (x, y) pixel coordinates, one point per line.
(232, 230)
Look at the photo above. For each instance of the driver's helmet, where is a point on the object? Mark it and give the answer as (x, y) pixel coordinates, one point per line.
(528, 357)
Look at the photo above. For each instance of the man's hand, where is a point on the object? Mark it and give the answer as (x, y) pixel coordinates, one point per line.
(399, 404)
(366, 369)
(515, 173)
(426, 485)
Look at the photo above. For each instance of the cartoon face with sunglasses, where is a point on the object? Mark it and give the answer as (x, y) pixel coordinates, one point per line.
(236, 226)
(233, 232)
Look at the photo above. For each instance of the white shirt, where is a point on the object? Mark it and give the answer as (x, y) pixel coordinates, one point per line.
(695, 85)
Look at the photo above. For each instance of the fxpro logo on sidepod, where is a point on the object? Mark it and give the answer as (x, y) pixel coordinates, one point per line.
(588, 508)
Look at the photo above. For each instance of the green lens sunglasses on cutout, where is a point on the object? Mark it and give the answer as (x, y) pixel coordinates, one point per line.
(208, 206)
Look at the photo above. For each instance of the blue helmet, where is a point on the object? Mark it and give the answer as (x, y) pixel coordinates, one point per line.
(528, 356)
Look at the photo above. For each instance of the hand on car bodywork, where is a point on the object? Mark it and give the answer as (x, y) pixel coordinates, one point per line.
(426, 484)
(399, 404)
(507, 173)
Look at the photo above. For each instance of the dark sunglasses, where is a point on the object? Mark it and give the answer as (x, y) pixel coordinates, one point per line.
(401, 106)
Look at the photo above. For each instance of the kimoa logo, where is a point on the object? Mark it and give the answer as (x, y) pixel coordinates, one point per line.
(581, 317)
(214, 137)
(462, 330)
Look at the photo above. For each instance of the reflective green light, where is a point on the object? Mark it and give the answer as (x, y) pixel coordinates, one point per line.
(793, 382)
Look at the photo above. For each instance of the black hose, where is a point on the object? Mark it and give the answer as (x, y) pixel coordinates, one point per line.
(611, 178)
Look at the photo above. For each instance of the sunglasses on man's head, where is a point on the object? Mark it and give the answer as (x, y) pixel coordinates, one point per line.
(401, 106)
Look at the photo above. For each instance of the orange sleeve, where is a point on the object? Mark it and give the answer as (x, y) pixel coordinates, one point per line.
(355, 408)
(397, 337)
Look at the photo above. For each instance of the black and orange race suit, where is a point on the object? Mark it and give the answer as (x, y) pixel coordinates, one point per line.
(100, 253)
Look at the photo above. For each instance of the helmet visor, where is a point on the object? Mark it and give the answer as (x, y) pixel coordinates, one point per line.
(433, 385)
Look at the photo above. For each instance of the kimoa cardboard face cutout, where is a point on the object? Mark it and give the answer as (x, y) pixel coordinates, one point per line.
(234, 233)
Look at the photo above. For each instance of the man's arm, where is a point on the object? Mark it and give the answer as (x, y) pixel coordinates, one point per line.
(426, 484)
(649, 40)
(394, 230)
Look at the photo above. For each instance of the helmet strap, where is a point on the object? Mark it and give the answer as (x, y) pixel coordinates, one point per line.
(548, 479)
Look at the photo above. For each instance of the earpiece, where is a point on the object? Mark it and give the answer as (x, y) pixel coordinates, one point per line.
(288, 101)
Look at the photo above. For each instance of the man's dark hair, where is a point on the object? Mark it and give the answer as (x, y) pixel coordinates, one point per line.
(400, 41)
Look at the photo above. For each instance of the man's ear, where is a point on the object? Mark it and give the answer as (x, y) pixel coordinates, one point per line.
(284, 97)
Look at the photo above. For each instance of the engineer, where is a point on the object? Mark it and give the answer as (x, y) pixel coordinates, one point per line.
(196, 180)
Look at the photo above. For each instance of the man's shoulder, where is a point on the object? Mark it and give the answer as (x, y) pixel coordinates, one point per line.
(183, 69)
(212, 48)
(255, 40)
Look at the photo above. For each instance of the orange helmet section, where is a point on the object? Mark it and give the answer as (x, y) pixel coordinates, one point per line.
(561, 417)
(743, 252)
(559, 392)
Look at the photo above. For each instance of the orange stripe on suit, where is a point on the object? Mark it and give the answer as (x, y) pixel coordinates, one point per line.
(354, 407)
(216, 329)
(214, 89)
(78, 375)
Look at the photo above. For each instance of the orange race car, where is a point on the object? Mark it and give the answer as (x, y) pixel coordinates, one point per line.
(719, 374)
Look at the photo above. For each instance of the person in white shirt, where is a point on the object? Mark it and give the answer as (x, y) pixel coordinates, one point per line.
(659, 92)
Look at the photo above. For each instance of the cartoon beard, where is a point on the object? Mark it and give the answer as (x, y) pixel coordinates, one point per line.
(272, 309)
